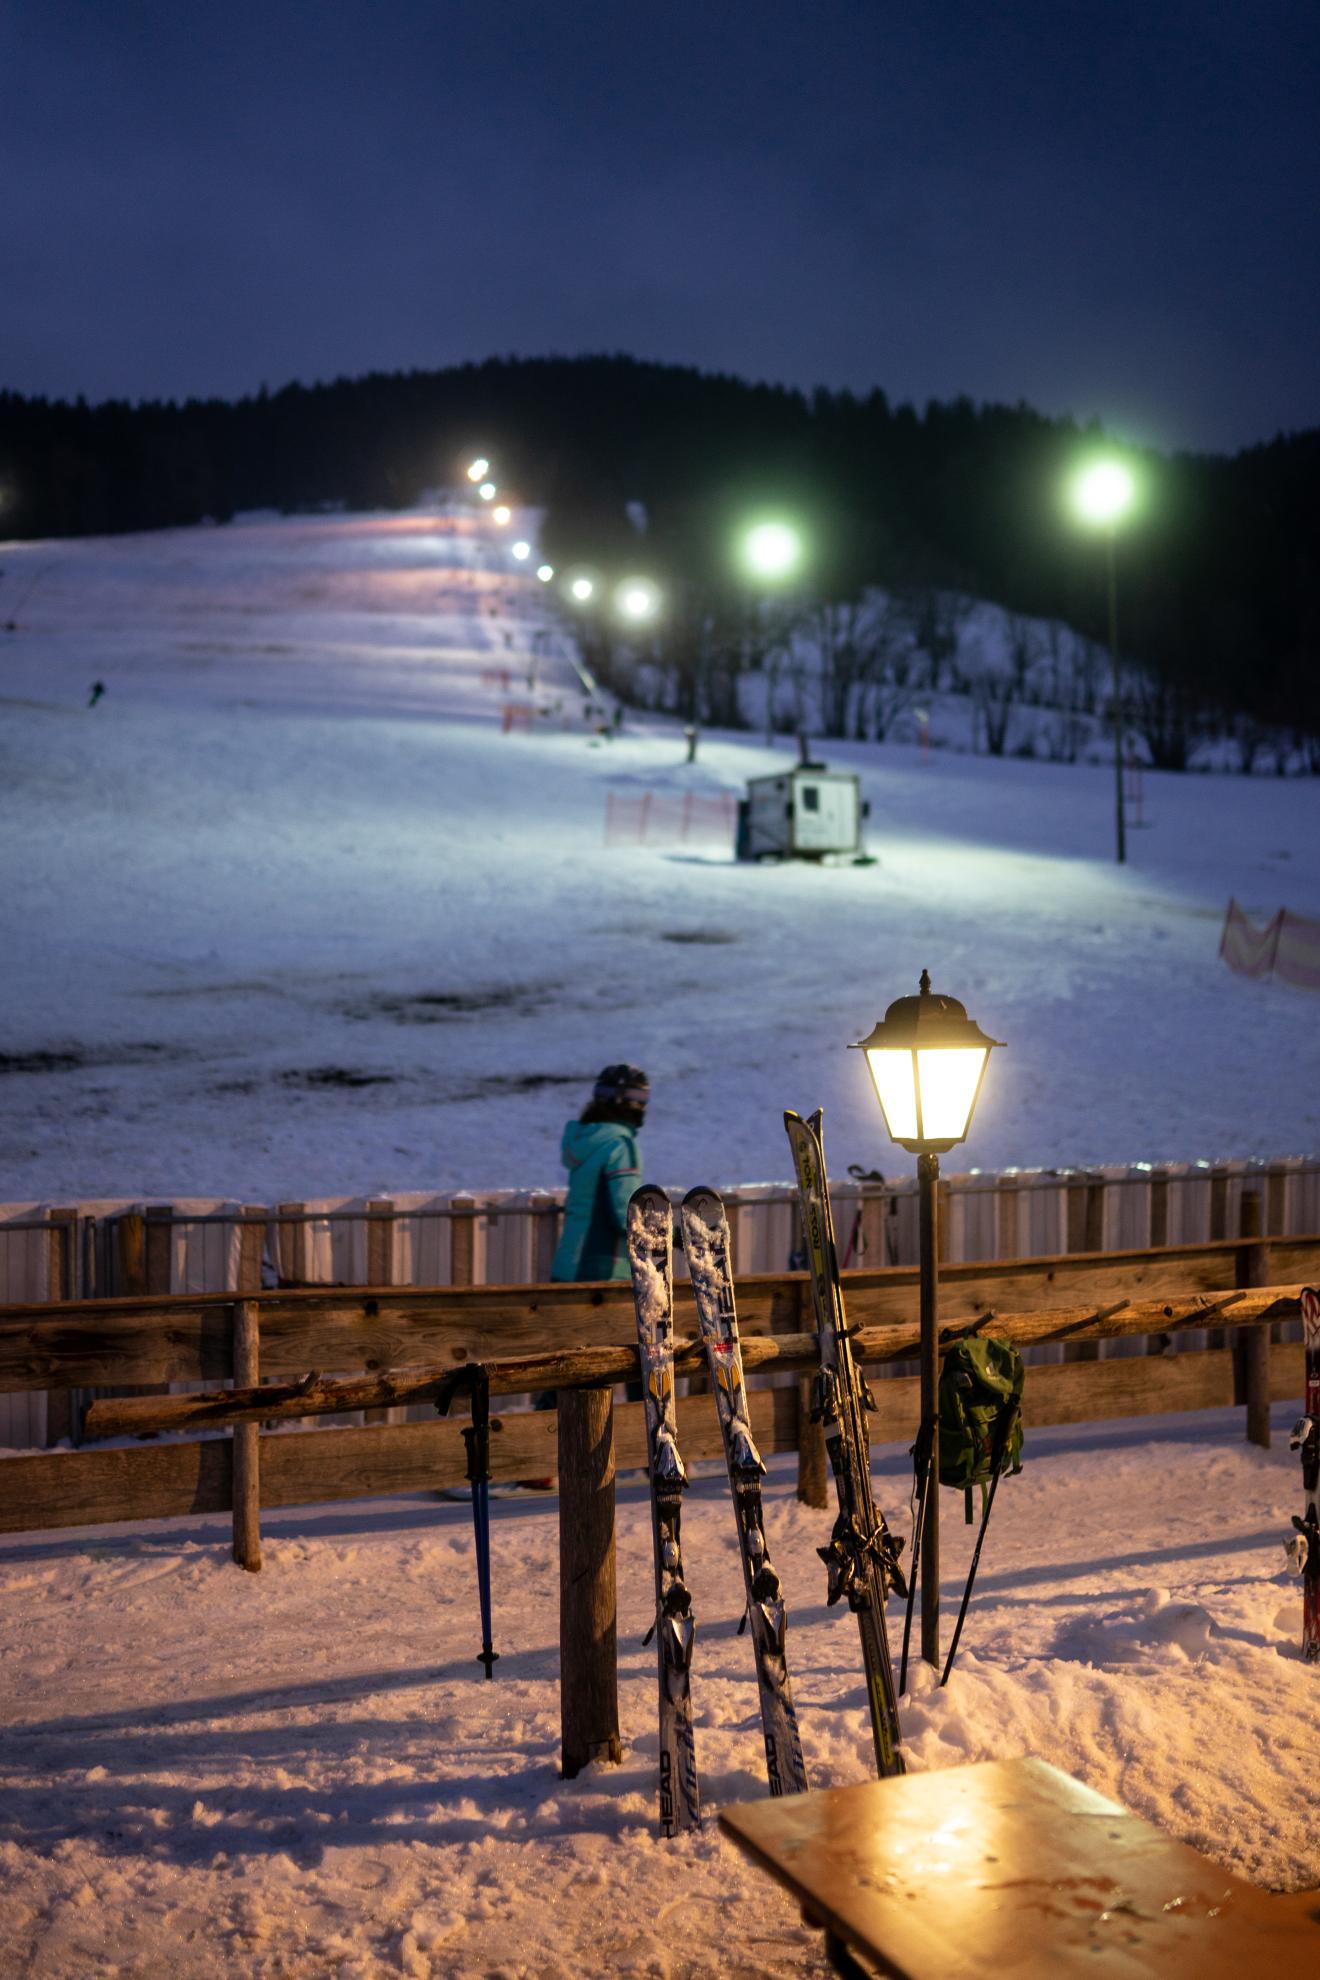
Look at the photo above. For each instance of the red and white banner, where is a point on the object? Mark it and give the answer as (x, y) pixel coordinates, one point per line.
(1288, 947)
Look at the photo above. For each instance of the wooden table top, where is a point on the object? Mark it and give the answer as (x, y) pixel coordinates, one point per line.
(1010, 1867)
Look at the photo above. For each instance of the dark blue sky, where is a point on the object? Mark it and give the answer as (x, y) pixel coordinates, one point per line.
(1100, 208)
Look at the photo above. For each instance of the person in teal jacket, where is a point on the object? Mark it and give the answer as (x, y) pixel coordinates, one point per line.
(599, 1150)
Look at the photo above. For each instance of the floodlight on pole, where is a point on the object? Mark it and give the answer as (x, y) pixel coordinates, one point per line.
(522, 551)
(927, 1060)
(582, 589)
(1102, 494)
(637, 600)
(545, 572)
(501, 514)
(478, 469)
(772, 550)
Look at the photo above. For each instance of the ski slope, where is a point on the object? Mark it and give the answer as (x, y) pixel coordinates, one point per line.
(286, 913)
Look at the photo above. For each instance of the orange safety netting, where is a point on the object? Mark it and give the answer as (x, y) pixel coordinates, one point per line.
(1288, 947)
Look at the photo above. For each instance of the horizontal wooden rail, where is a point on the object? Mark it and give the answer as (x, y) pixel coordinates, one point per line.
(578, 1368)
(187, 1338)
(169, 1480)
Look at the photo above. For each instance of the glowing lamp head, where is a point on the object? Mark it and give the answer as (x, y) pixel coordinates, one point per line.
(478, 469)
(772, 550)
(582, 589)
(1102, 493)
(502, 514)
(522, 551)
(545, 572)
(927, 1059)
(638, 600)
(487, 491)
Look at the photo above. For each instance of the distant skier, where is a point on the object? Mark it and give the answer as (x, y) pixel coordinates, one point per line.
(98, 689)
(599, 1150)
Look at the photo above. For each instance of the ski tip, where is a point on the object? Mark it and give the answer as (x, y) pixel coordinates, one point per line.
(703, 1198)
(792, 1118)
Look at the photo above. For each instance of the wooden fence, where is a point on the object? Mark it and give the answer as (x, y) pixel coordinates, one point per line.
(407, 1341)
(193, 1246)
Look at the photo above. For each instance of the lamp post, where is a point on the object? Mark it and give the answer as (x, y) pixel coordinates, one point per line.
(927, 1059)
(1102, 495)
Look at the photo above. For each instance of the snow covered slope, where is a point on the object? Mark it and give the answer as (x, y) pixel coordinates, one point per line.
(287, 913)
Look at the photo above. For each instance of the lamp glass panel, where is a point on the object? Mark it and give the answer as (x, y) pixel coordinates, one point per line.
(948, 1077)
(895, 1084)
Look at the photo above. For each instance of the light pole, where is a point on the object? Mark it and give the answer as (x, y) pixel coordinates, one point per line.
(927, 1059)
(1102, 495)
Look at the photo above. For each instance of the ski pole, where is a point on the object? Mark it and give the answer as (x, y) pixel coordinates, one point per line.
(922, 1464)
(476, 1442)
(1000, 1451)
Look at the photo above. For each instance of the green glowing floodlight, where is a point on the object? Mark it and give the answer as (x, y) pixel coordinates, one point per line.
(545, 572)
(772, 550)
(582, 589)
(1103, 492)
(487, 491)
(638, 600)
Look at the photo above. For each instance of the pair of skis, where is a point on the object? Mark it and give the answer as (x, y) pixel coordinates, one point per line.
(1304, 1546)
(650, 1256)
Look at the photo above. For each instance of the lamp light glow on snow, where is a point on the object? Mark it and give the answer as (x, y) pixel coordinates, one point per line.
(502, 514)
(545, 572)
(927, 1059)
(637, 600)
(487, 491)
(478, 469)
(582, 589)
(1103, 492)
(522, 551)
(772, 549)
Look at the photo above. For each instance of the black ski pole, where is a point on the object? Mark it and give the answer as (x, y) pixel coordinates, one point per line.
(1000, 1451)
(476, 1441)
(923, 1452)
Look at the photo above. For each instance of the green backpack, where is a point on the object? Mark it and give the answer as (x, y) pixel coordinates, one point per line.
(980, 1407)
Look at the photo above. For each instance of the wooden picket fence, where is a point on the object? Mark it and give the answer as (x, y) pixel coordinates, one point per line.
(507, 1237)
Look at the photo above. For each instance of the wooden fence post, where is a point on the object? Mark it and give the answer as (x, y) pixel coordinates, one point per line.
(61, 1283)
(1252, 1346)
(380, 1265)
(246, 1466)
(1086, 1222)
(588, 1617)
(813, 1463)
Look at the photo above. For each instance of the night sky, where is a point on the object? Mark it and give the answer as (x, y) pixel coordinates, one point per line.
(1104, 209)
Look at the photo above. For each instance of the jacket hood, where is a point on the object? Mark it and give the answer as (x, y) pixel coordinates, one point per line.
(583, 1139)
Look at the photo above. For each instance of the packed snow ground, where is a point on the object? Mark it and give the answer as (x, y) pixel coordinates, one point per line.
(302, 1773)
(286, 914)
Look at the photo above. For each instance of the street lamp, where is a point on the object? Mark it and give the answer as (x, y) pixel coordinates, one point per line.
(927, 1060)
(501, 514)
(522, 551)
(1102, 495)
(487, 491)
(582, 589)
(545, 572)
(478, 469)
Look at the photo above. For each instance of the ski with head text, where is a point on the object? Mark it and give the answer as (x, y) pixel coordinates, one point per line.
(862, 1557)
(706, 1244)
(650, 1258)
(1304, 1546)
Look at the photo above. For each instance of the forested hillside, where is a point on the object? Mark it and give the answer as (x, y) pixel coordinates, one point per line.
(1220, 569)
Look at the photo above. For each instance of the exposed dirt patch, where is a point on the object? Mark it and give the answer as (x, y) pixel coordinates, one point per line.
(449, 1006)
(71, 1058)
(40, 1062)
(315, 1077)
(710, 938)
